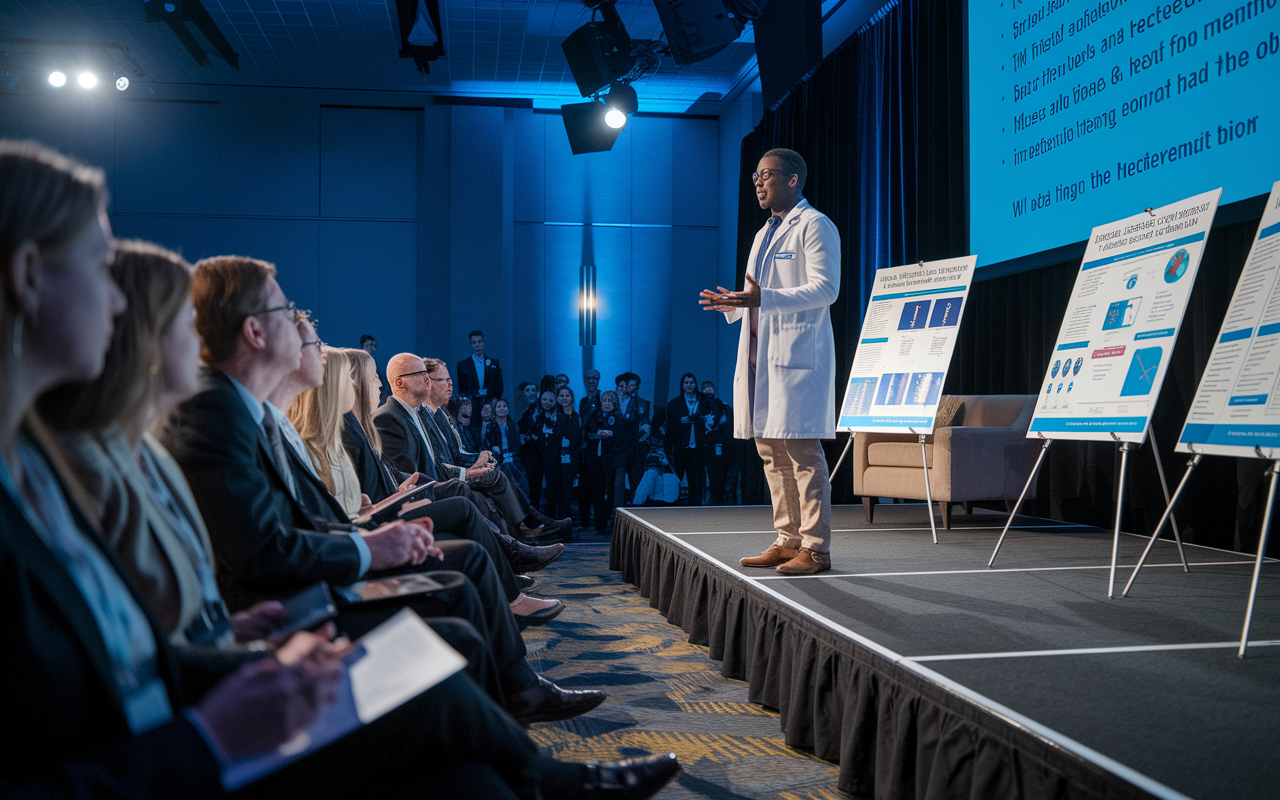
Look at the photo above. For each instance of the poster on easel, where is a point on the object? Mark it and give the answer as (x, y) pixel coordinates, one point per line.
(908, 335)
(1121, 322)
(1236, 411)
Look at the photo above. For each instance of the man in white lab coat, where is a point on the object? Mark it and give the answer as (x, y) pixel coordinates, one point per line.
(785, 377)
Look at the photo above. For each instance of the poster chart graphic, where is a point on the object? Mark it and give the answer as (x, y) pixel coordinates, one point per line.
(1237, 404)
(1121, 322)
(908, 335)
(1236, 410)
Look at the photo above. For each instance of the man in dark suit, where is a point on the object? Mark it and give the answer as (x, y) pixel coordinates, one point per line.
(686, 428)
(266, 541)
(424, 439)
(718, 442)
(478, 375)
(638, 411)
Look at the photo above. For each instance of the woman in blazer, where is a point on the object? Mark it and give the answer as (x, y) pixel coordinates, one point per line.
(561, 452)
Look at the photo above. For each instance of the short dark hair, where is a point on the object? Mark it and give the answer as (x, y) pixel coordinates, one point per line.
(688, 375)
(475, 333)
(523, 384)
(225, 290)
(792, 163)
(366, 338)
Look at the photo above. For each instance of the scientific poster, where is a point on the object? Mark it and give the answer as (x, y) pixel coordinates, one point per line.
(908, 335)
(1121, 323)
(1237, 405)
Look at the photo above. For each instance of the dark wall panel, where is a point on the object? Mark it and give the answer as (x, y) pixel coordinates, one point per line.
(529, 285)
(695, 173)
(477, 294)
(595, 187)
(651, 310)
(193, 237)
(368, 283)
(655, 178)
(369, 163)
(693, 331)
(80, 127)
(166, 158)
(530, 179)
(292, 245)
(269, 159)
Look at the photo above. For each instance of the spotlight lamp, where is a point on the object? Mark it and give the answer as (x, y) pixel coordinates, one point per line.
(122, 83)
(57, 79)
(87, 80)
(621, 103)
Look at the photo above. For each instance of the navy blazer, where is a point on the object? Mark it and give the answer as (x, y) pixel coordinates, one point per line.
(446, 439)
(376, 479)
(265, 542)
(677, 429)
(469, 381)
(58, 692)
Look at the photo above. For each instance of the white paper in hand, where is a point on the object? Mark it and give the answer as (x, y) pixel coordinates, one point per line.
(403, 658)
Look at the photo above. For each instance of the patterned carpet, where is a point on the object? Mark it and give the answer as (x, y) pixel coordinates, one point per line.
(665, 695)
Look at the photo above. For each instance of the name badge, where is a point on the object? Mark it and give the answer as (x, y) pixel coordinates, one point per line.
(483, 392)
(719, 449)
(564, 442)
(684, 420)
(784, 256)
(564, 459)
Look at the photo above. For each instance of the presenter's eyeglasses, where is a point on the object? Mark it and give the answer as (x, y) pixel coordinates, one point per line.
(766, 174)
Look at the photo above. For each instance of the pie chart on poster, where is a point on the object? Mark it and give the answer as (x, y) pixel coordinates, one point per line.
(1177, 266)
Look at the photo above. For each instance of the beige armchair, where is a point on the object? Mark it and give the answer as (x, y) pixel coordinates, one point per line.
(987, 458)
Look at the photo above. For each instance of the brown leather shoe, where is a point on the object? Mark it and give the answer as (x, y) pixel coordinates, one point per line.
(772, 557)
(807, 562)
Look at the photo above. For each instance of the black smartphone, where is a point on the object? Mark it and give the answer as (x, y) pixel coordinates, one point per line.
(307, 609)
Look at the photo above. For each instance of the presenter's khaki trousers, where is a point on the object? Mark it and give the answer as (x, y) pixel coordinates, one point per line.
(800, 486)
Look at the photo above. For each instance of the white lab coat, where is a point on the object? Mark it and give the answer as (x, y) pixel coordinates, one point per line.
(796, 362)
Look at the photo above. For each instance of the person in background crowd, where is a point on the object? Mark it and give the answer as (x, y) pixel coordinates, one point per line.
(605, 433)
(479, 375)
(685, 428)
(465, 428)
(562, 380)
(616, 451)
(530, 452)
(561, 452)
(581, 494)
(526, 398)
(638, 412)
(717, 442)
(547, 384)
(369, 344)
(317, 415)
(502, 436)
(379, 478)
(482, 424)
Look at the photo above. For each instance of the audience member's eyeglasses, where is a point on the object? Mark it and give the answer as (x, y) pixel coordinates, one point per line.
(411, 374)
(292, 308)
(766, 174)
(442, 380)
(317, 343)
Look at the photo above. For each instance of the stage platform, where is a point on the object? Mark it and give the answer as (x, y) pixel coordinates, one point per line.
(925, 674)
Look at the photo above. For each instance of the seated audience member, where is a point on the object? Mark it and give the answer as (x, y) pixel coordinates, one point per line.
(322, 420)
(266, 513)
(466, 428)
(502, 436)
(659, 483)
(686, 427)
(478, 375)
(717, 442)
(561, 452)
(418, 434)
(92, 682)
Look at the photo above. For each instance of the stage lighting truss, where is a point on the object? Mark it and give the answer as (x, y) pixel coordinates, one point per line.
(65, 66)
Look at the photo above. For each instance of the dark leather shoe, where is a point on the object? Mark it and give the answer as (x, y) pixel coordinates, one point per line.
(528, 558)
(806, 562)
(555, 528)
(525, 532)
(547, 702)
(631, 779)
(540, 617)
(525, 582)
(772, 557)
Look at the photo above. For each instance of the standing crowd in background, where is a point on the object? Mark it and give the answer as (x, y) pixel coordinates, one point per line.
(579, 458)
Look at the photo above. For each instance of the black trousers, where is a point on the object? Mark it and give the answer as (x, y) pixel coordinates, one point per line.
(479, 601)
(688, 465)
(559, 490)
(511, 506)
(717, 472)
(594, 493)
(449, 742)
(459, 518)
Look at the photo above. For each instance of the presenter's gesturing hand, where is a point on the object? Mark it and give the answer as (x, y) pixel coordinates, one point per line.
(724, 300)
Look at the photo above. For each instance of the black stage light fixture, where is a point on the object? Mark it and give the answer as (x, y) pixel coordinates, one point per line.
(588, 133)
(599, 52)
(698, 29)
(162, 10)
(420, 32)
(620, 103)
